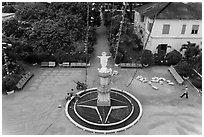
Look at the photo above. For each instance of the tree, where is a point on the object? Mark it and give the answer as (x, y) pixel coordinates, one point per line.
(147, 58)
(8, 9)
(129, 41)
(47, 27)
(198, 63)
(173, 57)
(10, 27)
(193, 55)
(183, 68)
(9, 83)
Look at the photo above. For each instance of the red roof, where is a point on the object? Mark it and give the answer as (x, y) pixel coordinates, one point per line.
(175, 10)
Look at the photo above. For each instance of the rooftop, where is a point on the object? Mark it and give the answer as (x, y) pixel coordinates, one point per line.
(175, 10)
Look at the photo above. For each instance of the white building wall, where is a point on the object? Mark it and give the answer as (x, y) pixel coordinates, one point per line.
(175, 28)
(174, 39)
(174, 43)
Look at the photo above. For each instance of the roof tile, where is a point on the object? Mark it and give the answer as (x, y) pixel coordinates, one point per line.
(176, 10)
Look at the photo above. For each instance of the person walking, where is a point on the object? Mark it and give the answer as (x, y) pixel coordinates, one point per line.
(185, 92)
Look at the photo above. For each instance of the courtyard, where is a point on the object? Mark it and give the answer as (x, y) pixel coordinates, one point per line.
(34, 110)
(39, 108)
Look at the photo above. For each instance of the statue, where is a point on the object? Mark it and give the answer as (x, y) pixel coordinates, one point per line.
(103, 98)
(103, 61)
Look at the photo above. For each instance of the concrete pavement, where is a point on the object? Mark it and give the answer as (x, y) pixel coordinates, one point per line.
(34, 110)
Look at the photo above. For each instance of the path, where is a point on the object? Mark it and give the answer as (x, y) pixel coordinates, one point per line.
(102, 45)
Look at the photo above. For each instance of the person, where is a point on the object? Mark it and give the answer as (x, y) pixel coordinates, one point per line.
(185, 92)
(72, 91)
(81, 86)
(69, 95)
(77, 97)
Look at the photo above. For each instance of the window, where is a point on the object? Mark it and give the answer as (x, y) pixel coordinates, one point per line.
(183, 29)
(166, 29)
(195, 29)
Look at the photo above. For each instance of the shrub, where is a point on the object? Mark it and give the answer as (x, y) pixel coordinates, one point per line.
(90, 50)
(69, 58)
(16, 77)
(183, 68)
(80, 57)
(37, 57)
(8, 9)
(159, 59)
(119, 58)
(3, 70)
(147, 58)
(60, 56)
(197, 83)
(31, 58)
(107, 18)
(9, 83)
(173, 57)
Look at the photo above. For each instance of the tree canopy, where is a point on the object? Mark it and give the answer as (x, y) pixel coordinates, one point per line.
(48, 27)
(129, 41)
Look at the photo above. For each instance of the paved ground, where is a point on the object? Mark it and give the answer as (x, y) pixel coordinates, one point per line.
(34, 110)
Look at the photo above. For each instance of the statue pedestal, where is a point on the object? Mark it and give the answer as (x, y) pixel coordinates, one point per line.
(104, 90)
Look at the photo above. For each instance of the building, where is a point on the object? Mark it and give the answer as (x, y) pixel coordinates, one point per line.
(174, 25)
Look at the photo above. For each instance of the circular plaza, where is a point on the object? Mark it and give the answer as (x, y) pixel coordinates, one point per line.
(124, 112)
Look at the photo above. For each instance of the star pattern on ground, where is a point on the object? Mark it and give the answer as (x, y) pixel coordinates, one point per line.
(103, 111)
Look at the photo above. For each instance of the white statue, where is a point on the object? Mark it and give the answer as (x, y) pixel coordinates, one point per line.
(103, 61)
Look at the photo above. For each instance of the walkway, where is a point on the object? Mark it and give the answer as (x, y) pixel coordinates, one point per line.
(102, 45)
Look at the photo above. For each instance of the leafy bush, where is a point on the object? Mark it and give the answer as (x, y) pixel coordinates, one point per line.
(147, 58)
(119, 58)
(191, 52)
(10, 27)
(38, 57)
(107, 18)
(80, 57)
(198, 65)
(159, 58)
(183, 68)
(13, 67)
(9, 83)
(197, 83)
(193, 55)
(60, 56)
(8, 9)
(31, 58)
(90, 50)
(16, 77)
(173, 57)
